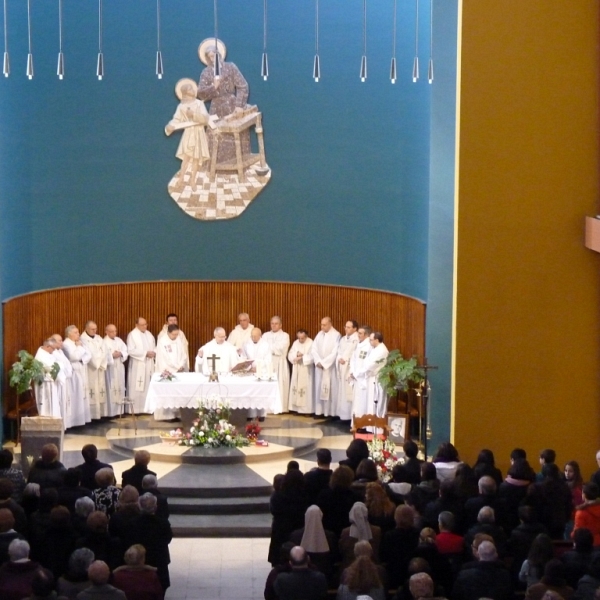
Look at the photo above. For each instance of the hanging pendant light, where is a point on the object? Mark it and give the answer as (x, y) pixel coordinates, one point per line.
(6, 63)
(217, 65)
(264, 65)
(363, 60)
(317, 61)
(430, 65)
(100, 62)
(393, 72)
(415, 72)
(29, 70)
(60, 67)
(159, 60)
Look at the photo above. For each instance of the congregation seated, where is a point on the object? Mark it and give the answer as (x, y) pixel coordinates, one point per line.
(99, 575)
(319, 543)
(12, 473)
(421, 586)
(552, 580)
(540, 553)
(447, 500)
(447, 541)
(17, 574)
(106, 494)
(75, 578)
(301, 582)
(150, 485)
(415, 567)
(380, 508)
(486, 523)
(360, 530)
(58, 542)
(361, 578)
(486, 466)
(39, 521)
(47, 471)
(90, 466)
(7, 533)
(121, 522)
(364, 548)
(136, 474)
(96, 537)
(577, 561)
(6, 501)
(31, 499)
(465, 482)
(137, 579)
(84, 507)
(337, 500)
(42, 587)
(487, 496)
(72, 490)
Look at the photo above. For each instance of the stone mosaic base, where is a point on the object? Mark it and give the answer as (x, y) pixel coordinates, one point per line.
(225, 198)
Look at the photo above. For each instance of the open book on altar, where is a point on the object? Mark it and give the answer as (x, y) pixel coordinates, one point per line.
(242, 366)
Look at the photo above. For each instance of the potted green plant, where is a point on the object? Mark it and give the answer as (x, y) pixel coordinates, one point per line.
(399, 373)
(27, 371)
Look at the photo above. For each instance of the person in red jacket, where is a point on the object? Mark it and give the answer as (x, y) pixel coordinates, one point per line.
(588, 514)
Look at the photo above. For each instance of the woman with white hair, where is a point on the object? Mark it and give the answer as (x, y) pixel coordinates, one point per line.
(137, 579)
(76, 579)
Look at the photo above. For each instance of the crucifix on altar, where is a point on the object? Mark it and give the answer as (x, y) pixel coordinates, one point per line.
(213, 373)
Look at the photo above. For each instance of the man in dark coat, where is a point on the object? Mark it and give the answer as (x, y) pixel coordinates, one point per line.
(301, 583)
(485, 578)
(488, 496)
(135, 475)
(150, 485)
(90, 466)
(48, 471)
(412, 463)
(317, 479)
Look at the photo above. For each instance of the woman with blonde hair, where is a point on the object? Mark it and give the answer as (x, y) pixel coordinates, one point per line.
(381, 508)
(361, 578)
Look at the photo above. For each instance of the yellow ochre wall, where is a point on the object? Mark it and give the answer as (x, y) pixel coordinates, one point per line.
(526, 314)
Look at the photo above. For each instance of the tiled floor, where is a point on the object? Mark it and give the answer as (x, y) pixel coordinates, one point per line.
(210, 569)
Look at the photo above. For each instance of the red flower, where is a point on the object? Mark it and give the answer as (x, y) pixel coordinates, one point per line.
(386, 454)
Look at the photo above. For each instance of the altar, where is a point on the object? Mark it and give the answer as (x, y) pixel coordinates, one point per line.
(187, 389)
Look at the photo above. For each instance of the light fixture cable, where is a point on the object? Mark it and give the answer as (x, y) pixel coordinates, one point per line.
(317, 61)
(415, 73)
(60, 67)
(6, 62)
(159, 60)
(100, 63)
(264, 67)
(430, 66)
(29, 71)
(217, 65)
(363, 60)
(393, 71)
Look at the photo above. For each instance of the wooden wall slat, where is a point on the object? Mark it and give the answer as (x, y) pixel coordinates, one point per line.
(201, 306)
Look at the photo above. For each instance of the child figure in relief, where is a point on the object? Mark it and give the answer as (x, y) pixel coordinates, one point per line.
(192, 117)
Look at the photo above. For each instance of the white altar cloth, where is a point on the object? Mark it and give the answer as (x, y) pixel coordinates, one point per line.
(186, 390)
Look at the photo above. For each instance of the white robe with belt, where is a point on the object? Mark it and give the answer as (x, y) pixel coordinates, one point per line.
(260, 354)
(324, 351)
(225, 352)
(96, 372)
(357, 370)
(345, 393)
(115, 374)
(376, 397)
(238, 336)
(171, 356)
(79, 356)
(279, 342)
(301, 384)
(182, 342)
(64, 386)
(140, 366)
(47, 393)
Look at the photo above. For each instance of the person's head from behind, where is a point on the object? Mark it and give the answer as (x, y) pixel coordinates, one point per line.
(363, 548)
(98, 572)
(554, 573)
(547, 456)
(486, 516)
(487, 551)
(527, 514)
(18, 550)
(486, 457)
(404, 517)
(446, 521)
(517, 454)
(477, 540)
(89, 453)
(79, 562)
(362, 576)
(551, 471)
(410, 448)
(149, 482)
(49, 453)
(521, 470)
(418, 565)
(357, 450)
(278, 482)
(141, 458)
(6, 488)
(400, 474)
(341, 478)
(60, 518)
(105, 477)
(446, 453)
(7, 520)
(72, 478)
(42, 584)
(128, 497)
(293, 465)
(420, 586)
(284, 552)
(298, 558)
(487, 486)
(135, 556)
(540, 551)
(84, 507)
(97, 522)
(590, 491)
(6, 458)
(148, 503)
(428, 471)
(583, 540)
(427, 536)
(366, 470)
(323, 457)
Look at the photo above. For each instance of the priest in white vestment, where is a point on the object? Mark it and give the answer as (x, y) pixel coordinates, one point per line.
(242, 332)
(345, 391)
(324, 352)
(170, 357)
(376, 397)
(47, 393)
(141, 347)
(357, 372)
(259, 352)
(96, 370)
(301, 384)
(116, 350)
(226, 354)
(79, 356)
(172, 319)
(64, 382)
(279, 342)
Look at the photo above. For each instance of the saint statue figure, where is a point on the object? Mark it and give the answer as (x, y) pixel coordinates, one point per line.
(191, 116)
(227, 93)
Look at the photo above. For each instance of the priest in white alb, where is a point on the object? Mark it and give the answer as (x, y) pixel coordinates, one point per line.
(259, 352)
(116, 349)
(345, 392)
(242, 332)
(181, 340)
(64, 382)
(172, 358)
(226, 354)
(79, 356)
(376, 397)
(279, 342)
(141, 347)
(324, 352)
(96, 370)
(47, 393)
(301, 384)
(357, 372)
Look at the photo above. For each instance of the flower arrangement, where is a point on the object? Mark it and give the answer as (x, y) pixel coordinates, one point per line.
(383, 454)
(212, 428)
(167, 376)
(253, 429)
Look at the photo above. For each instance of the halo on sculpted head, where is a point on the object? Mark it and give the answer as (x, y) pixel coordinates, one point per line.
(206, 44)
(181, 83)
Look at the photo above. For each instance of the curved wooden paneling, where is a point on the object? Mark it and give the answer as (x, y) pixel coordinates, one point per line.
(202, 305)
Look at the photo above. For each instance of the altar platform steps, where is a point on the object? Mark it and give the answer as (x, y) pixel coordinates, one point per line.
(235, 526)
(240, 505)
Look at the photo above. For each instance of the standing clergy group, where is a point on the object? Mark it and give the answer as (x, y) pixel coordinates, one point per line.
(332, 375)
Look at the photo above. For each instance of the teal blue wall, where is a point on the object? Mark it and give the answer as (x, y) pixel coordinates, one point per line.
(348, 199)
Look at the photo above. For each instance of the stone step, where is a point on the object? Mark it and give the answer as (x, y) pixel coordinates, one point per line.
(180, 505)
(221, 525)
